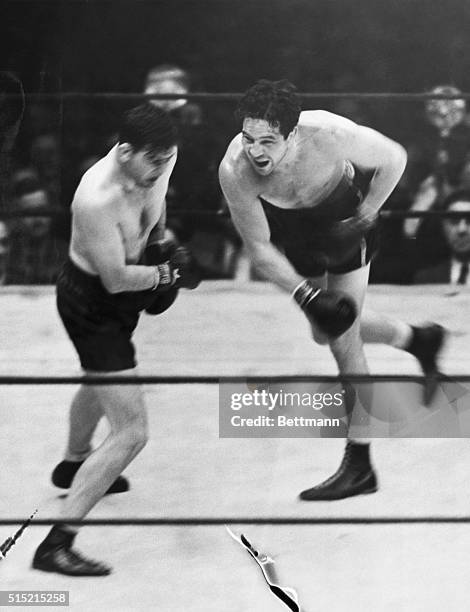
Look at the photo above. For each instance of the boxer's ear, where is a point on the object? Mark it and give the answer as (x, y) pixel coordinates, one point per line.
(124, 152)
(292, 134)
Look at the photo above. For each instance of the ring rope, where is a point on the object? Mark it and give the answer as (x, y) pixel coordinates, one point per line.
(243, 520)
(214, 380)
(233, 96)
(383, 214)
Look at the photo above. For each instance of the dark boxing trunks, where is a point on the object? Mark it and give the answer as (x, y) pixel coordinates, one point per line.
(306, 235)
(100, 324)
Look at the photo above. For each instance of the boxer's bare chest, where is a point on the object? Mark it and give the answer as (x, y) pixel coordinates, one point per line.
(137, 213)
(304, 182)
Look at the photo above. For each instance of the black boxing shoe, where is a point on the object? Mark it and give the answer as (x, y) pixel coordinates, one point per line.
(426, 343)
(64, 472)
(70, 562)
(55, 554)
(355, 476)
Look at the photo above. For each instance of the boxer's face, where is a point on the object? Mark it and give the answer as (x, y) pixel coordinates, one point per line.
(457, 229)
(145, 166)
(264, 145)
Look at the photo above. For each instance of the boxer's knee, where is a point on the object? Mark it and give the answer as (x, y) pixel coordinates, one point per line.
(132, 437)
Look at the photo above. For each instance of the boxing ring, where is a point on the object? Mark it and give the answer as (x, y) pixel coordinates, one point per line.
(404, 548)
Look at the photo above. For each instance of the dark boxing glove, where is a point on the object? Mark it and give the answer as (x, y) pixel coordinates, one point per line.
(157, 255)
(332, 311)
(162, 301)
(176, 267)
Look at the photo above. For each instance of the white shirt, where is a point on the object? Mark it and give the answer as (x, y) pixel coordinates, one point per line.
(455, 268)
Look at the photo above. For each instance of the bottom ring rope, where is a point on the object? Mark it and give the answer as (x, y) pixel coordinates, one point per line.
(238, 520)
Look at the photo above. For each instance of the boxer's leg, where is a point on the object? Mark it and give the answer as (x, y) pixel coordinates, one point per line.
(85, 414)
(355, 475)
(125, 409)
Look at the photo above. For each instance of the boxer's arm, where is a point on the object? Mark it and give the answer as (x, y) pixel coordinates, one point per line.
(101, 243)
(158, 231)
(252, 225)
(370, 151)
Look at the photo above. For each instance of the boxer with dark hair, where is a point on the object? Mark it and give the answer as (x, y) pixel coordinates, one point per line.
(304, 190)
(119, 264)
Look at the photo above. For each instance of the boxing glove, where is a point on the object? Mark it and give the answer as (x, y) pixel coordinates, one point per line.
(333, 312)
(161, 301)
(175, 265)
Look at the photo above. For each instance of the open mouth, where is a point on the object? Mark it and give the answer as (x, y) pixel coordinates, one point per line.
(261, 164)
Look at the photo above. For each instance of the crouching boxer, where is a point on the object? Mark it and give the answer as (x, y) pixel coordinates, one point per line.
(304, 190)
(119, 264)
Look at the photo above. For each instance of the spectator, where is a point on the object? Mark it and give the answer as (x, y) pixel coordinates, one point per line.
(35, 253)
(453, 268)
(194, 184)
(11, 111)
(4, 251)
(430, 196)
(46, 159)
(170, 79)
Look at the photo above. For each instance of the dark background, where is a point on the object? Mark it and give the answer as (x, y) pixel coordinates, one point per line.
(326, 45)
(400, 45)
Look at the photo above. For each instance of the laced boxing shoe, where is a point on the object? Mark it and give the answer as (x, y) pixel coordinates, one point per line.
(355, 476)
(55, 554)
(64, 473)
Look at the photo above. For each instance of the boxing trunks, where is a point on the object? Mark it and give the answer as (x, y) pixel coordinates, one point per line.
(100, 324)
(307, 236)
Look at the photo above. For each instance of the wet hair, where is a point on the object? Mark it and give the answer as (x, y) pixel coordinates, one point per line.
(273, 101)
(147, 127)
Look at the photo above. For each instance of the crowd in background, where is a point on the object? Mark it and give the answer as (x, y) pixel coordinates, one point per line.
(57, 144)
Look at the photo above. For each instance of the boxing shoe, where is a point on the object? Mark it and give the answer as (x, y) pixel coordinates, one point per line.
(55, 554)
(64, 472)
(355, 476)
(426, 343)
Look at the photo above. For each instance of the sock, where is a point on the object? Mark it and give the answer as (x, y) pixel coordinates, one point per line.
(414, 346)
(403, 335)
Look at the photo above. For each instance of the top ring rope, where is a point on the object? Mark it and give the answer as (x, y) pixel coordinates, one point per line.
(233, 96)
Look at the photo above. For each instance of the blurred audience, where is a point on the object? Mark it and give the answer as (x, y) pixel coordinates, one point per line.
(455, 234)
(35, 253)
(45, 157)
(12, 104)
(4, 251)
(430, 195)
